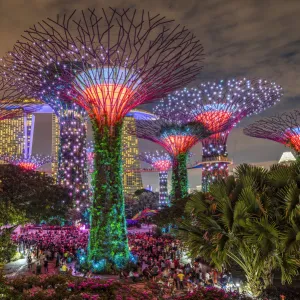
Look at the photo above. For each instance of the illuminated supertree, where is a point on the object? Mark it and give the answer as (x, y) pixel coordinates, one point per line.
(162, 162)
(31, 163)
(284, 129)
(49, 85)
(125, 58)
(177, 135)
(224, 104)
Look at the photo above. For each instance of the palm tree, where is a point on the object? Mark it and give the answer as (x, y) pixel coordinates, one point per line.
(250, 219)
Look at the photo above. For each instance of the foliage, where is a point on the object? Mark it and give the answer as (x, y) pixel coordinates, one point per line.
(143, 199)
(273, 293)
(251, 219)
(213, 293)
(179, 177)
(108, 244)
(66, 287)
(7, 247)
(12, 215)
(73, 288)
(173, 213)
(34, 194)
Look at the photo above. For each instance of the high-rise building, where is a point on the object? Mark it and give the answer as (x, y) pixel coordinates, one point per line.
(16, 135)
(132, 180)
(55, 145)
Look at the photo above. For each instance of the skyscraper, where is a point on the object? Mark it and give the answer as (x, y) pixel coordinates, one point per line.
(132, 180)
(16, 135)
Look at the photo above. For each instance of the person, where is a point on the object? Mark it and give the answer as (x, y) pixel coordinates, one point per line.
(146, 273)
(38, 268)
(165, 273)
(172, 266)
(181, 277)
(131, 276)
(46, 265)
(64, 268)
(29, 261)
(123, 274)
(154, 272)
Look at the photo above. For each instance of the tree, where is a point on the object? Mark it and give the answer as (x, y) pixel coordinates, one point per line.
(7, 246)
(173, 213)
(141, 200)
(251, 219)
(31, 195)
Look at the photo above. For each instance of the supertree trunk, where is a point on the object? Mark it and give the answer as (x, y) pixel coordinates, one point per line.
(163, 189)
(72, 159)
(215, 159)
(179, 177)
(108, 222)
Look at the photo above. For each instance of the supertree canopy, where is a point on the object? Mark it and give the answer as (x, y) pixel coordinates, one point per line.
(177, 134)
(284, 129)
(31, 163)
(220, 106)
(123, 58)
(162, 162)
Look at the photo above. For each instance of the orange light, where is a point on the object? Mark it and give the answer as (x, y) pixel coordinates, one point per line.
(27, 166)
(162, 165)
(214, 120)
(108, 101)
(178, 144)
(295, 142)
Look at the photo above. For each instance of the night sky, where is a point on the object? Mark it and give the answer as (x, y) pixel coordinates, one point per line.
(255, 38)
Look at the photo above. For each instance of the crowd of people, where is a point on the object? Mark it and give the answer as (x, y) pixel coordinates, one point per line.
(159, 258)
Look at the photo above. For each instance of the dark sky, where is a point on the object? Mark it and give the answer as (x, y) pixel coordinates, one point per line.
(248, 38)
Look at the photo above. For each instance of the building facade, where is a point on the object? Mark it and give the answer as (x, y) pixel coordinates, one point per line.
(132, 180)
(16, 135)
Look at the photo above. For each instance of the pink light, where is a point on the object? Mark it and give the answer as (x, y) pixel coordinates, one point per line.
(162, 165)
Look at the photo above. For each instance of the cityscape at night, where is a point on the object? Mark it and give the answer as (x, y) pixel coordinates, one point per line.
(150, 150)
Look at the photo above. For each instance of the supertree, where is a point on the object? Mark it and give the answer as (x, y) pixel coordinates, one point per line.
(162, 162)
(220, 106)
(125, 58)
(72, 163)
(283, 128)
(177, 134)
(31, 163)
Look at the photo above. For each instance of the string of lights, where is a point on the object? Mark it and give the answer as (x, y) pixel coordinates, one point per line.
(219, 106)
(284, 129)
(31, 163)
(122, 58)
(162, 162)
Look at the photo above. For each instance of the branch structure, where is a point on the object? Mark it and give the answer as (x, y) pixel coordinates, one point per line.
(31, 163)
(177, 134)
(284, 129)
(112, 61)
(219, 106)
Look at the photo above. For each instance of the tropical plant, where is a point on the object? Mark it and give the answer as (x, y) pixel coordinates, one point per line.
(251, 219)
